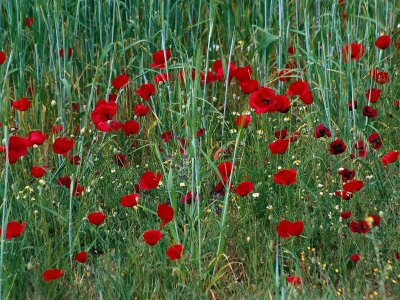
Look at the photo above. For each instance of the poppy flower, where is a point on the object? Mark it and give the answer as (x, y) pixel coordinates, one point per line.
(217, 67)
(175, 252)
(146, 91)
(141, 110)
(52, 274)
(200, 132)
(373, 220)
(38, 171)
(81, 257)
(183, 147)
(63, 145)
(353, 186)
(160, 58)
(337, 147)
(74, 160)
(283, 103)
(165, 213)
(244, 188)
(225, 169)
(29, 22)
(291, 50)
(382, 78)
(151, 237)
(346, 214)
(130, 200)
(373, 94)
(356, 52)
(181, 75)
(3, 58)
(383, 42)
(285, 75)
(120, 81)
(242, 74)
(261, 100)
(355, 257)
(149, 181)
(249, 86)
(166, 136)
(390, 157)
(280, 134)
(69, 52)
(161, 78)
(16, 148)
(189, 198)
(96, 218)
(321, 131)
(375, 140)
(131, 127)
(103, 113)
(112, 97)
(243, 121)
(286, 229)
(279, 146)
(120, 160)
(64, 181)
(352, 105)
(361, 227)
(297, 88)
(347, 174)
(208, 77)
(306, 97)
(294, 280)
(361, 148)
(13, 229)
(22, 104)
(285, 177)
(345, 195)
(78, 190)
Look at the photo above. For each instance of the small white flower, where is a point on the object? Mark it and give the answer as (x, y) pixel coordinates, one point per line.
(269, 207)
(320, 185)
(160, 183)
(279, 167)
(182, 184)
(256, 195)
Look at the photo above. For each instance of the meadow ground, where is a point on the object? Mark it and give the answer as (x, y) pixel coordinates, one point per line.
(200, 149)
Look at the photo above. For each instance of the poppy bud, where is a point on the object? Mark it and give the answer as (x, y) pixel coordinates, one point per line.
(53, 103)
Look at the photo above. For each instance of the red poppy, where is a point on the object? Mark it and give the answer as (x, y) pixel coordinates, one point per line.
(81, 257)
(307, 97)
(189, 198)
(390, 157)
(361, 148)
(146, 91)
(64, 181)
(74, 160)
(165, 213)
(22, 104)
(149, 181)
(375, 140)
(280, 134)
(29, 22)
(350, 105)
(217, 67)
(295, 136)
(78, 190)
(38, 171)
(69, 52)
(279, 146)
(285, 75)
(151, 237)
(243, 121)
(356, 51)
(346, 214)
(112, 97)
(225, 169)
(13, 229)
(285, 177)
(244, 188)
(181, 75)
(355, 257)
(52, 274)
(291, 50)
(120, 160)
(103, 113)
(242, 74)
(130, 200)
(283, 103)
(131, 127)
(17, 147)
(63, 145)
(166, 136)
(347, 174)
(293, 280)
(353, 186)
(361, 227)
(286, 229)
(373, 94)
(141, 110)
(375, 220)
(3, 58)
(161, 78)
(160, 58)
(200, 132)
(337, 147)
(382, 78)
(249, 86)
(115, 126)
(120, 81)
(383, 42)
(175, 252)
(96, 218)
(210, 77)
(297, 88)
(261, 100)
(321, 131)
